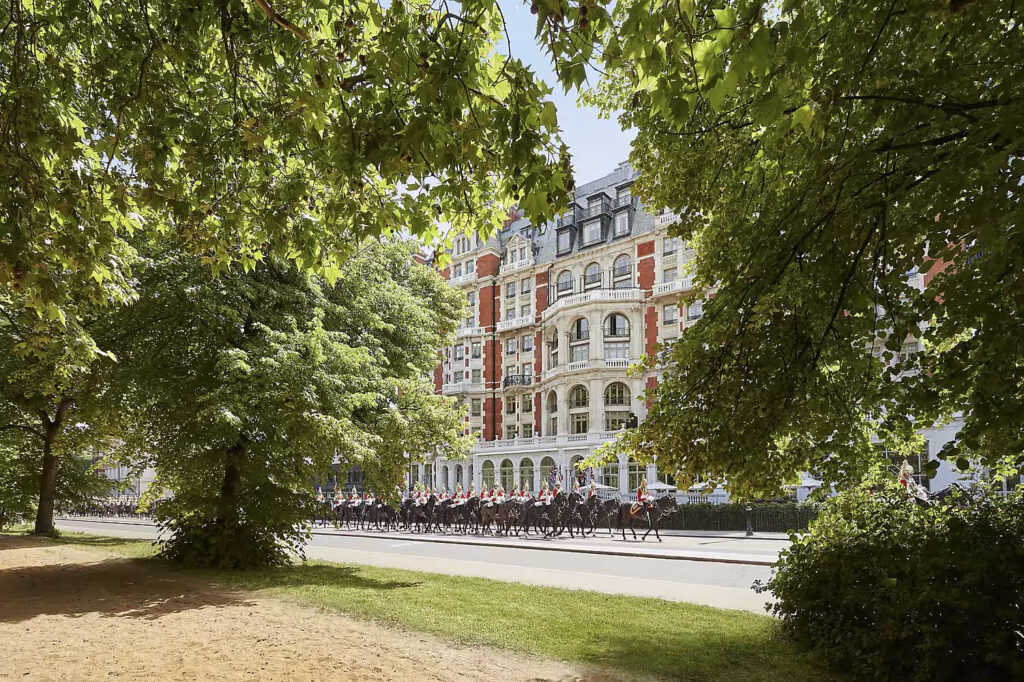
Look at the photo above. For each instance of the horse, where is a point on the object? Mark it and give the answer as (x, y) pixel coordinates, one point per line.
(660, 508)
(424, 513)
(602, 511)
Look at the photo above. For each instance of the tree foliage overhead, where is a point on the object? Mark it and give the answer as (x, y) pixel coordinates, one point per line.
(245, 128)
(818, 153)
(246, 388)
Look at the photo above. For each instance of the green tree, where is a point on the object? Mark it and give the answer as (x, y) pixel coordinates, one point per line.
(247, 387)
(818, 153)
(54, 379)
(244, 128)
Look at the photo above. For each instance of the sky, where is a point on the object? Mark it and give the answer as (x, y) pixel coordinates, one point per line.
(597, 145)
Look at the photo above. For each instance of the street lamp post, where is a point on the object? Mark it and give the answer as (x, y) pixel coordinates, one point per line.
(750, 525)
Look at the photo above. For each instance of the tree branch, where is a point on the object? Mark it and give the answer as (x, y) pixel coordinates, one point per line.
(281, 21)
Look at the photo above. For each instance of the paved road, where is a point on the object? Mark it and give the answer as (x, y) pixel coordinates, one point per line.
(703, 570)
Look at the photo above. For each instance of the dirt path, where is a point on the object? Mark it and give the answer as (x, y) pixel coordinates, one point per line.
(73, 614)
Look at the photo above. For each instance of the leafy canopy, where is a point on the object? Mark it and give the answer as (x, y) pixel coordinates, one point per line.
(820, 153)
(246, 388)
(243, 129)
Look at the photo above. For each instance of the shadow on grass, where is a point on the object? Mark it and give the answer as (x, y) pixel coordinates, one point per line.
(311, 575)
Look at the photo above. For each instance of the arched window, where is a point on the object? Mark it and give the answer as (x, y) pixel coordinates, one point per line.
(553, 349)
(507, 473)
(580, 330)
(487, 474)
(592, 276)
(552, 414)
(564, 282)
(547, 465)
(616, 394)
(616, 325)
(579, 397)
(444, 476)
(623, 266)
(526, 472)
(575, 473)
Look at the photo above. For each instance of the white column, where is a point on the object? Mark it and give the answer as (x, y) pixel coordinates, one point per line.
(624, 475)
(596, 405)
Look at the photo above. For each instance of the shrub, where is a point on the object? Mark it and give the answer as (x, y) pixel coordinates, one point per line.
(893, 589)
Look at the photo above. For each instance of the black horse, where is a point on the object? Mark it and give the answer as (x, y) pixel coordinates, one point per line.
(602, 512)
(652, 513)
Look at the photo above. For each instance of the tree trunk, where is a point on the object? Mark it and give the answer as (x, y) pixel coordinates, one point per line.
(230, 485)
(51, 467)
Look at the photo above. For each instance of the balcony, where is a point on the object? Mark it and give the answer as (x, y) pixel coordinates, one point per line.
(593, 296)
(583, 365)
(665, 219)
(515, 323)
(470, 331)
(460, 387)
(517, 380)
(487, 447)
(462, 279)
(518, 265)
(669, 287)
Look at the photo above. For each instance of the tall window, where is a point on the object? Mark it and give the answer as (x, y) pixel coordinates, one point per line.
(507, 471)
(526, 471)
(616, 351)
(553, 349)
(471, 298)
(527, 430)
(669, 275)
(510, 432)
(487, 473)
(474, 407)
(616, 325)
(457, 271)
(564, 241)
(668, 246)
(579, 422)
(695, 310)
(526, 406)
(610, 475)
(564, 281)
(581, 329)
(578, 397)
(616, 394)
(592, 232)
(510, 290)
(477, 376)
(621, 223)
(623, 267)
(475, 350)
(524, 310)
(510, 406)
(527, 343)
(524, 286)
(636, 472)
(670, 314)
(592, 276)
(547, 465)
(510, 345)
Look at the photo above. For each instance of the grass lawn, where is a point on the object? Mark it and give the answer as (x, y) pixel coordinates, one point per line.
(671, 639)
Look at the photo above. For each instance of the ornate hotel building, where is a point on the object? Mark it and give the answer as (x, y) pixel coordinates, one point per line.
(558, 312)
